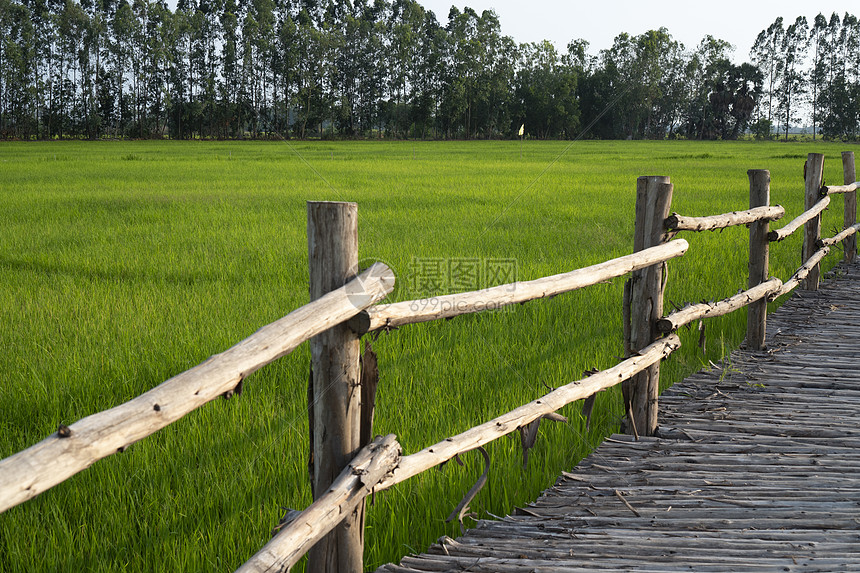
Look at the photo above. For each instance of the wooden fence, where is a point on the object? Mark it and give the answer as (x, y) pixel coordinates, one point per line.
(347, 464)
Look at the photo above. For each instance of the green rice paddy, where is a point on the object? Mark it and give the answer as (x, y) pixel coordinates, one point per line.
(122, 264)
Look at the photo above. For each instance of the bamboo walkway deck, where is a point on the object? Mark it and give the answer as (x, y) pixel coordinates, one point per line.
(757, 468)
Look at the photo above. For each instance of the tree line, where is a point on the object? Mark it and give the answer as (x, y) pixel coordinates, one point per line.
(388, 68)
(813, 67)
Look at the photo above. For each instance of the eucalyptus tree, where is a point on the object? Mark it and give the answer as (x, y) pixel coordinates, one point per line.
(243, 111)
(792, 85)
(205, 63)
(403, 27)
(631, 87)
(840, 100)
(183, 111)
(17, 52)
(850, 110)
(473, 78)
(545, 92)
(817, 74)
(89, 62)
(599, 91)
(649, 78)
(224, 68)
(72, 28)
(232, 81)
(766, 54)
(461, 71)
(120, 54)
(615, 82)
(157, 67)
(426, 74)
(367, 75)
(834, 81)
(496, 76)
(43, 54)
(667, 72)
(260, 71)
(284, 61)
(311, 68)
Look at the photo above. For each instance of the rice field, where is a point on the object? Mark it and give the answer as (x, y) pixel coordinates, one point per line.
(125, 263)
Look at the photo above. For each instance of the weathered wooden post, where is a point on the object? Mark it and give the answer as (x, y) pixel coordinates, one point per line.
(759, 258)
(334, 398)
(849, 245)
(653, 201)
(814, 172)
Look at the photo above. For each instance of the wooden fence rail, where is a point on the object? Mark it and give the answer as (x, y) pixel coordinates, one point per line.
(487, 432)
(695, 312)
(385, 316)
(348, 491)
(795, 224)
(347, 466)
(74, 448)
(833, 189)
(325, 513)
(801, 274)
(840, 237)
(764, 213)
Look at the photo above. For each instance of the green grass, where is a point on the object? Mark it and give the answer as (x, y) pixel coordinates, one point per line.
(122, 264)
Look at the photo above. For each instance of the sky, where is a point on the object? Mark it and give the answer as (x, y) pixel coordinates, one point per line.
(598, 22)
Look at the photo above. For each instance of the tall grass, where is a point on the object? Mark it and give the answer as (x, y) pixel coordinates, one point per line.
(124, 264)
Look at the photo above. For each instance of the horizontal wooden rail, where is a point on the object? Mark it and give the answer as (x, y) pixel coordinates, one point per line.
(840, 237)
(447, 306)
(694, 312)
(74, 448)
(443, 451)
(811, 213)
(801, 274)
(833, 189)
(678, 222)
(349, 489)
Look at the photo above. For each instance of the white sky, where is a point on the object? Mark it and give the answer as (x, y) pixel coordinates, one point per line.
(599, 21)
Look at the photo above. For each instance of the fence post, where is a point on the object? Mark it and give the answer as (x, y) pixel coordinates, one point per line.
(759, 258)
(653, 202)
(849, 245)
(334, 405)
(814, 172)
